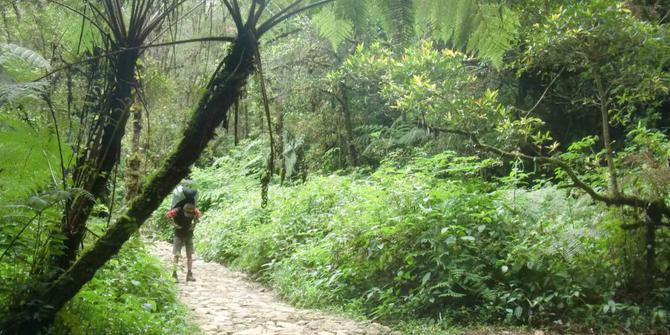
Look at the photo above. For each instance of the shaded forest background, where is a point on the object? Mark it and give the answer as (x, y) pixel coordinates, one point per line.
(426, 163)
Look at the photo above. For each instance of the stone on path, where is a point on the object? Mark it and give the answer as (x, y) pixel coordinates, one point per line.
(225, 302)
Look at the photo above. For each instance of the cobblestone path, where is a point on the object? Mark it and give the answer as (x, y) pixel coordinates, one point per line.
(226, 302)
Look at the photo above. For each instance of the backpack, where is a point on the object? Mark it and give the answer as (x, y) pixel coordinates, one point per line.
(183, 195)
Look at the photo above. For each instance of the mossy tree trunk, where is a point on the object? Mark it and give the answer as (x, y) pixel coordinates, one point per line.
(133, 172)
(236, 138)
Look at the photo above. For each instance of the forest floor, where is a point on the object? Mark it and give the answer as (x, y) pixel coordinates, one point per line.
(227, 302)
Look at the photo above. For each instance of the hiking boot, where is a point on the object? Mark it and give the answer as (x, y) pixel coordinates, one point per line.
(189, 276)
(174, 275)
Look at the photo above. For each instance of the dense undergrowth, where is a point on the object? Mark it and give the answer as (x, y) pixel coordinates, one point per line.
(430, 240)
(131, 294)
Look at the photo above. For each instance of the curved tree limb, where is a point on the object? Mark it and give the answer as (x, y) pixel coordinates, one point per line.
(617, 199)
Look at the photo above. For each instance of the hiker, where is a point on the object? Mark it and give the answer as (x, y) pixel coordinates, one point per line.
(183, 217)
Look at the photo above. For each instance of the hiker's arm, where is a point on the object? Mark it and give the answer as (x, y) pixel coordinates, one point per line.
(173, 224)
(170, 218)
(176, 226)
(196, 218)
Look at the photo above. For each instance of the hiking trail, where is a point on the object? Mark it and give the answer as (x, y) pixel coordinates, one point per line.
(228, 302)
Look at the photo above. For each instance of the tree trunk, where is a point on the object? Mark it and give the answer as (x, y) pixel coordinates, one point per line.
(237, 112)
(607, 139)
(223, 89)
(279, 146)
(654, 218)
(246, 120)
(95, 166)
(348, 125)
(133, 173)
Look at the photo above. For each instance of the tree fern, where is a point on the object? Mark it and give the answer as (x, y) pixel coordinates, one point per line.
(461, 21)
(10, 92)
(494, 33)
(473, 25)
(357, 12)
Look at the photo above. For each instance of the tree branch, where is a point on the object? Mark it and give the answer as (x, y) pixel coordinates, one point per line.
(616, 199)
(282, 35)
(83, 16)
(228, 39)
(543, 94)
(270, 23)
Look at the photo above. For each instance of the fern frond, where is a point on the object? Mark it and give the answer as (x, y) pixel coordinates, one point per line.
(77, 192)
(412, 137)
(399, 17)
(355, 11)
(335, 30)
(464, 20)
(10, 92)
(494, 33)
(487, 30)
(30, 57)
(378, 15)
(470, 25)
(26, 155)
(18, 67)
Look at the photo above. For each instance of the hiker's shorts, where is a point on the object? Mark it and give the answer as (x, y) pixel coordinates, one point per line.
(179, 242)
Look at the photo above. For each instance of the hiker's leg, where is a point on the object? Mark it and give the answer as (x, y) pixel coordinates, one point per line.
(189, 258)
(189, 253)
(176, 252)
(189, 262)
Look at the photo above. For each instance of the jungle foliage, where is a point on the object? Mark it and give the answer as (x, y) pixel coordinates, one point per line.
(465, 162)
(429, 238)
